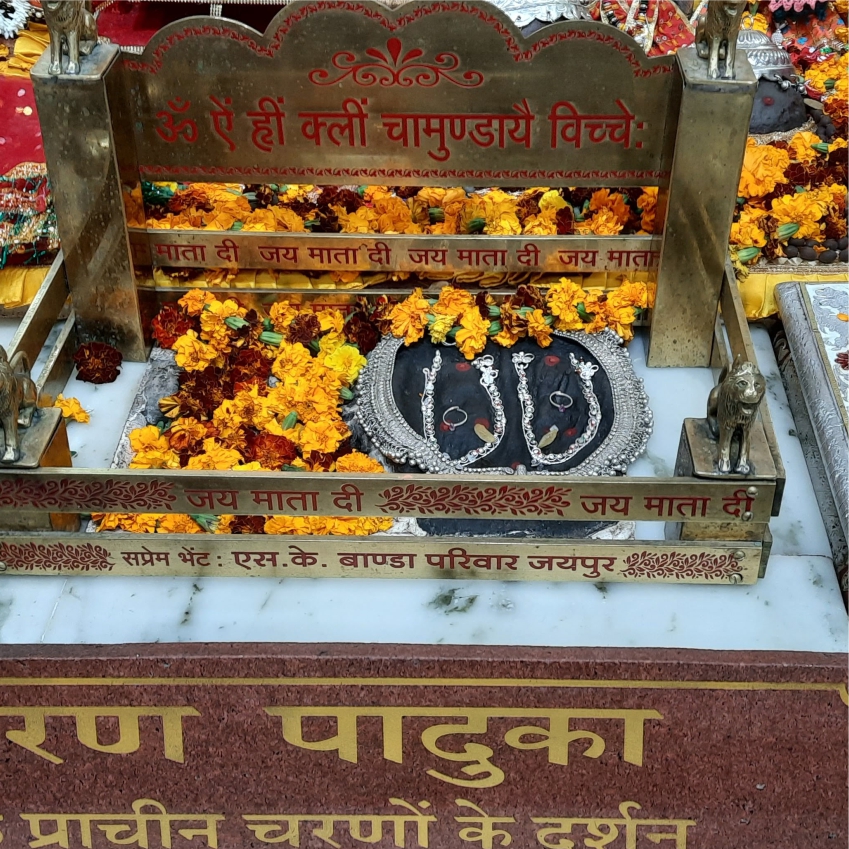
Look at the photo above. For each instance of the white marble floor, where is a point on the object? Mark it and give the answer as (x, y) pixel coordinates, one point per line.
(796, 607)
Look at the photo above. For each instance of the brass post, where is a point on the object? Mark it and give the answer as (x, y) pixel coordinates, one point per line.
(79, 145)
(712, 130)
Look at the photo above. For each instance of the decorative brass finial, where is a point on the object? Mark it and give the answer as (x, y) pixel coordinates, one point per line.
(18, 401)
(716, 35)
(70, 23)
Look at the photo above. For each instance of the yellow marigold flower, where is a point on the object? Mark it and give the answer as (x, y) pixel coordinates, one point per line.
(363, 220)
(472, 336)
(192, 354)
(539, 329)
(432, 195)
(351, 526)
(630, 294)
(178, 523)
(757, 22)
(328, 344)
(246, 402)
(503, 223)
(803, 208)
(562, 300)
(108, 521)
(747, 234)
(837, 144)
(356, 461)
(195, 300)
(324, 436)
(440, 328)
(453, 302)
(148, 438)
(155, 458)
(140, 523)
(287, 525)
(615, 202)
(620, 319)
(393, 215)
(330, 320)
(185, 432)
(71, 409)
(409, 318)
(551, 201)
(347, 362)
(802, 146)
(605, 222)
(227, 418)
(281, 315)
(215, 456)
(287, 220)
(224, 524)
(253, 466)
(544, 224)
(292, 359)
(763, 169)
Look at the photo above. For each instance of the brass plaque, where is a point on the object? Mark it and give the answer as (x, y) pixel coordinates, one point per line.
(436, 92)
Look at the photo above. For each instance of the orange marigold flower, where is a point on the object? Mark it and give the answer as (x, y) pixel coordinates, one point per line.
(539, 329)
(71, 409)
(356, 461)
(195, 300)
(453, 302)
(763, 169)
(192, 354)
(178, 523)
(472, 336)
(802, 146)
(409, 318)
(323, 435)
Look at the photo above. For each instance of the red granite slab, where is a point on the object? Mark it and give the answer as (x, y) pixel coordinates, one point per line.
(561, 748)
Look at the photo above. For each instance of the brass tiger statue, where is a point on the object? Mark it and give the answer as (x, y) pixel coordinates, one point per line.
(732, 408)
(716, 35)
(71, 23)
(18, 401)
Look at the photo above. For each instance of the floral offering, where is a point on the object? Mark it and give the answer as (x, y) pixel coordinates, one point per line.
(471, 321)
(383, 209)
(256, 394)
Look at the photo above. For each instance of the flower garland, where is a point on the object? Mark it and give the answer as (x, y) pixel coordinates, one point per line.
(383, 209)
(471, 321)
(255, 393)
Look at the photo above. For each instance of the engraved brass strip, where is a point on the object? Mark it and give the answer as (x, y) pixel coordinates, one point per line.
(193, 555)
(60, 363)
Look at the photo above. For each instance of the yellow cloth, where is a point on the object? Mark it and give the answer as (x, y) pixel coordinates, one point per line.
(757, 291)
(29, 45)
(19, 284)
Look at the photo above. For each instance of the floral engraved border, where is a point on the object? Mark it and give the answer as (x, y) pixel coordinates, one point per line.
(56, 557)
(681, 566)
(475, 500)
(66, 493)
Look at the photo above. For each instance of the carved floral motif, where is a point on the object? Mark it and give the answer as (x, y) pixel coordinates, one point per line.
(680, 566)
(475, 500)
(390, 68)
(63, 493)
(56, 557)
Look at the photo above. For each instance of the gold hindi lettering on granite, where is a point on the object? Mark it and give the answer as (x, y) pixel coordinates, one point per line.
(117, 829)
(602, 831)
(556, 738)
(34, 731)
(364, 828)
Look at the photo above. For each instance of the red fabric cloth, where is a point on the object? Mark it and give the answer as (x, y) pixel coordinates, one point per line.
(20, 134)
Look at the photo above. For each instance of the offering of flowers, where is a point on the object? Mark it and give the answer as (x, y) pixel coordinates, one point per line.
(383, 209)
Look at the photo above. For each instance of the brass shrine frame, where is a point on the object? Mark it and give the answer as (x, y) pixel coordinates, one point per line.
(716, 525)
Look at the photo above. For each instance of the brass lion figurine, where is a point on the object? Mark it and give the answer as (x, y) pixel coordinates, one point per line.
(716, 35)
(732, 408)
(71, 23)
(18, 401)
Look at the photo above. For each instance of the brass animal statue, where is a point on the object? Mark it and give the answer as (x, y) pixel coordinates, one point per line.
(18, 401)
(71, 23)
(732, 408)
(716, 35)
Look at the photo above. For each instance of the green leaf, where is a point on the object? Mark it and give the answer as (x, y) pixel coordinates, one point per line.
(290, 421)
(582, 312)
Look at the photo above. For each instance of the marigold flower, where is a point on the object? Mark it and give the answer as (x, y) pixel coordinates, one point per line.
(453, 302)
(185, 433)
(303, 328)
(71, 409)
(409, 318)
(97, 362)
(802, 146)
(178, 523)
(347, 362)
(440, 327)
(192, 354)
(271, 451)
(746, 232)
(287, 525)
(324, 436)
(169, 325)
(630, 294)
(544, 224)
(763, 169)
(615, 202)
(195, 300)
(281, 315)
(562, 300)
(356, 461)
(802, 208)
(155, 458)
(472, 335)
(539, 329)
(606, 222)
(140, 523)
(620, 320)
(214, 456)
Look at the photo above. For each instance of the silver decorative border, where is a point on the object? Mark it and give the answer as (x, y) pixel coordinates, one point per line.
(395, 438)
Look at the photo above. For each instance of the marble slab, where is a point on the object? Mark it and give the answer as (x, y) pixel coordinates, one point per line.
(796, 607)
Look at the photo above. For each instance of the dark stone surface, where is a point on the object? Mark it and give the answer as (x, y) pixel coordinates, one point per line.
(751, 746)
(776, 110)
